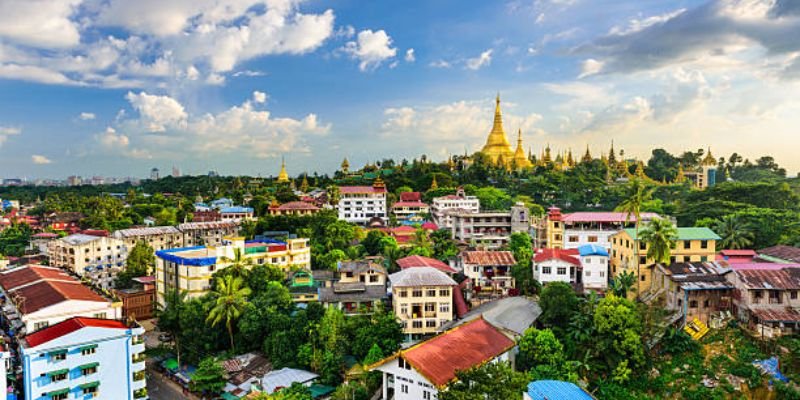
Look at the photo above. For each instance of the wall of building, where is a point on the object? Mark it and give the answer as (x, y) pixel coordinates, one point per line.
(68, 309)
(359, 208)
(404, 302)
(595, 272)
(554, 266)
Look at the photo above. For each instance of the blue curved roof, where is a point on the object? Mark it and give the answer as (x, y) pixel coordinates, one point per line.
(556, 390)
(592, 250)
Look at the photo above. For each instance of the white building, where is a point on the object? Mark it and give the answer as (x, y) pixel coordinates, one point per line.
(557, 265)
(584, 227)
(84, 358)
(421, 371)
(490, 230)
(361, 204)
(158, 237)
(489, 271)
(594, 262)
(38, 296)
(97, 258)
(461, 203)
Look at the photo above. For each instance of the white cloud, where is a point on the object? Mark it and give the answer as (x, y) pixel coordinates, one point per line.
(40, 159)
(41, 23)
(480, 61)
(248, 73)
(6, 131)
(637, 24)
(86, 116)
(439, 64)
(259, 97)
(590, 67)
(158, 112)
(371, 49)
(110, 139)
(410, 57)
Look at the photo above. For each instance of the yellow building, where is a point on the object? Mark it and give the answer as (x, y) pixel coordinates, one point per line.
(497, 147)
(422, 299)
(693, 245)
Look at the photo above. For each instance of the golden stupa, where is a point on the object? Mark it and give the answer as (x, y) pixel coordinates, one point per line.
(283, 177)
(520, 159)
(497, 147)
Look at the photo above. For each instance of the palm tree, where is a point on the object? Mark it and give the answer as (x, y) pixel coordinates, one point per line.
(239, 264)
(169, 316)
(638, 193)
(660, 236)
(231, 295)
(622, 284)
(735, 232)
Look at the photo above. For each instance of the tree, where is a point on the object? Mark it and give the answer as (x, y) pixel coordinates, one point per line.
(734, 231)
(520, 244)
(660, 236)
(141, 260)
(543, 354)
(239, 264)
(169, 316)
(558, 302)
(351, 391)
(15, 239)
(492, 198)
(623, 283)
(372, 243)
(490, 381)
(619, 336)
(231, 300)
(637, 194)
(443, 246)
(209, 377)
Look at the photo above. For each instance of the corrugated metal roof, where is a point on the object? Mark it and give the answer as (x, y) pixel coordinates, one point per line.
(154, 230)
(770, 279)
(422, 276)
(782, 252)
(556, 390)
(589, 216)
(566, 255)
(777, 315)
(489, 258)
(692, 233)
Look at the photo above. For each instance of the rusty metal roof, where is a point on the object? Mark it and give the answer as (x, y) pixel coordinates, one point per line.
(782, 252)
(786, 278)
(777, 315)
(489, 258)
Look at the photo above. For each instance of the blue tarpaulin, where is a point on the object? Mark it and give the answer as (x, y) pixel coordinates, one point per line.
(770, 366)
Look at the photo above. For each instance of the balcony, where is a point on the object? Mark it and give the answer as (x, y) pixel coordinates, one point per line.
(137, 348)
(140, 394)
(139, 366)
(138, 376)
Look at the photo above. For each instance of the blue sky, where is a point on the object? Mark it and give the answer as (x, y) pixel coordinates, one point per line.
(114, 87)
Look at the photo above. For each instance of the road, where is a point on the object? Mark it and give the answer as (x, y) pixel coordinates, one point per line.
(160, 388)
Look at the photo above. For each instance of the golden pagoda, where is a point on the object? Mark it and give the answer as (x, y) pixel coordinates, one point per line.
(497, 147)
(283, 177)
(345, 165)
(304, 184)
(612, 158)
(640, 171)
(587, 157)
(546, 157)
(434, 185)
(520, 160)
(709, 159)
(570, 160)
(680, 177)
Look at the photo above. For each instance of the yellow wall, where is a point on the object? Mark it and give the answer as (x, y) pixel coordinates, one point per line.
(403, 307)
(555, 234)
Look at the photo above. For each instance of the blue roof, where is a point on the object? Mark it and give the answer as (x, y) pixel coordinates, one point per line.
(236, 209)
(592, 250)
(169, 255)
(556, 390)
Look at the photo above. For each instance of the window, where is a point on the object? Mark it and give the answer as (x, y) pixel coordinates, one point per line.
(88, 370)
(592, 239)
(692, 303)
(444, 307)
(642, 246)
(59, 396)
(587, 273)
(444, 292)
(404, 309)
(672, 260)
(416, 293)
(101, 315)
(403, 293)
(416, 324)
(602, 274)
(704, 244)
(703, 258)
(90, 390)
(431, 323)
(403, 388)
(373, 278)
(705, 304)
(211, 268)
(40, 325)
(58, 356)
(430, 307)
(60, 376)
(793, 295)
(687, 244)
(546, 270)
(572, 239)
(642, 259)
(88, 350)
(642, 278)
(426, 395)
(562, 271)
(431, 292)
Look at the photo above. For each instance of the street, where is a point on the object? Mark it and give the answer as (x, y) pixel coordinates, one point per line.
(160, 388)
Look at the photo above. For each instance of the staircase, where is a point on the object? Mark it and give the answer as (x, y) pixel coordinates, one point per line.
(696, 329)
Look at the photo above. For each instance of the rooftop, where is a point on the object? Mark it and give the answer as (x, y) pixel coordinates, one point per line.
(361, 189)
(602, 216)
(283, 378)
(514, 314)
(489, 258)
(79, 239)
(236, 210)
(420, 261)
(297, 205)
(68, 326)
(191, 226)
(566, 255)
(360, 267)
(592, 250)
(782, 252)
(421, 276)
(785, 278)
(556, 390)
(692, 233)
(153, 230)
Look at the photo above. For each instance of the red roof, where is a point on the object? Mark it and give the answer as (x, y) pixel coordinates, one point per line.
(17, 277)
(361, 189)
(35, 287)
(606, 217)
(409, 204)
(460, 348)
(405, 230)
(566, 255)
(430, 226)
(411, 196)
(68, 326)
(45, 235)
(489, 258)
(420, 261)
(732, 252)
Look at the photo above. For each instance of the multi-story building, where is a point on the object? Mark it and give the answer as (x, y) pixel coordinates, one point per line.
(293, 208)
(557, 265)
(138, 302)
(207, 233)
(37, 296)
(767, 297)
(594, 263)
(361, 286)
(97, 258)
(421, 371)
(84, 358)
(422, 299)
(693, 290)
(629, 254)
(569, 231)
(488, 271)
(237, 213)
(191, 269)
(490, 230)
(410, 209)
(362, 204)
(442, 207)
(158, 237)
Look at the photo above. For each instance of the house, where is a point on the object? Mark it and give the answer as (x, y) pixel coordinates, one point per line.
(459, 202)
(303, 287)
(138, 302)
(780, 254)
(420, 261)
(84, 358)
(555, 390)
(158, 237)
(421, 371)
(558, 265)
(628, 253)
(237, 213)
(37, 297)
(766, 298)
(97, 258)
(410, 209)
(210, 233)
(422, 299)
(63, 221)
(362, 204)
(245, 372)
(693, 290)
(274, 381)
(361, 286)
(511, 315)
(569, 231)
(594, 263)
(488, 271)
(192, 268)
(293, 208)
(490, 230)
(206, 216)
(732, 256)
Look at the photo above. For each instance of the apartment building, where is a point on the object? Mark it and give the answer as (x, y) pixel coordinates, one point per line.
(361, 287)
(490, 230)
(97, 258)
(158, 237)
(442, 207)
(362, 204)
(488, 271)
(570, 231)
(210, 233)
(410, 209)
(767, 298)
(422, 299)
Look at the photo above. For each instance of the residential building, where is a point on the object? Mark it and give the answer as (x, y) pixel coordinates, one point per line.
(692, 290)
(490, 230)
(303, 287)
(191, 268)
(410, 209)
(237, 213)
(285, 377)
(84, 358)
(363, 204)
(734, 256)
(361, 286)
(37, 296)
(766, 298)
(558, 265)
(594, 263)
(422, 299)
(488, 271)
(138, 302)
(569, 231)
(63, 221)
(207, 233)
(244, 373)
(293, 208)
(158, 237)
(628, 253)
(459, 203)
(420, 261)
(780, 254)
(421, 371)
(97, 258)
(552, 390)
(206, 216)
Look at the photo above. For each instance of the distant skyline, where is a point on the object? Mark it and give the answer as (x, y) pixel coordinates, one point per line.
(116, 87)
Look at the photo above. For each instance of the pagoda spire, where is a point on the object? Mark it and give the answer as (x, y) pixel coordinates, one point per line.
(434, 185)
(283, 176)
(587, 157)
(520, 160)
(497, 143)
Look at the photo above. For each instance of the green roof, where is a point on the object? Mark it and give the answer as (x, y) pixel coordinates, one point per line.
(87, 347)
(229, 396)
(58, 372)
(693, 233)
(90, 365)
(89, 385)
(320, 390)
(58, 392)
(57, 352)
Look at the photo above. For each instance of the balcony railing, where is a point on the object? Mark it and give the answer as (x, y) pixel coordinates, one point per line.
(138, 376)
